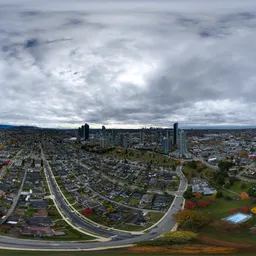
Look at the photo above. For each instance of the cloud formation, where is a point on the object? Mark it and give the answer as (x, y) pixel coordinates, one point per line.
(136, 63)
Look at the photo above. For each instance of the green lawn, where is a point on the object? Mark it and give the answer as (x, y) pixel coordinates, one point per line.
(221, 208)
(141, 156)
(242, 237)
(134, 201)
(236, 187)
(154, 217)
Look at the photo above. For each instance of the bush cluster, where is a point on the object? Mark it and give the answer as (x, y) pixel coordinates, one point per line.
(176, 237)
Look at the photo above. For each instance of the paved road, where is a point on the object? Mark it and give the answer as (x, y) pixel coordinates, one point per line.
(72, 216)
(166, 224)
(239, 176)
(15, 200)
(214, 167)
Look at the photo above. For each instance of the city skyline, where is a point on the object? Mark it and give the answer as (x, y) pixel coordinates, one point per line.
(127, 65)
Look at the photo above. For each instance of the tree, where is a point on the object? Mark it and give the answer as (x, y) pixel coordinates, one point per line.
(244, 196)
(251, 191)
(227, 184)
(253, 210)
(203, 204)
(188, 193)
(189, 224)
(243, 186)
(224, 165)
(221, 180)
(190, 205)
(219, 194)
(192, 164)
(244, 209)
(197, 195)
(87, 211)
(234, 211)
(200, 218)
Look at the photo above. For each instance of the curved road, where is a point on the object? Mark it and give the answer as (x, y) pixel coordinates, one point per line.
(121, 239)
(71, 215)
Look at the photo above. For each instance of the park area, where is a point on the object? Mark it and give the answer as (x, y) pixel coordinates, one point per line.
(141, 156)
(210, 212)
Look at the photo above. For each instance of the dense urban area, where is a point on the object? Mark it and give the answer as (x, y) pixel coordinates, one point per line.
(121, 187)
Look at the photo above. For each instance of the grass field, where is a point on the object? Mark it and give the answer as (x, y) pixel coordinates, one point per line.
(222, 208)
(236, 187)
(141, 156)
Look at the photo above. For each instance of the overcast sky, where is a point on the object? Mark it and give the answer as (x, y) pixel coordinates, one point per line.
(127, 63)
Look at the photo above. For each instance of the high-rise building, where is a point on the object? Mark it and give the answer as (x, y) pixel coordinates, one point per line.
(103, 130)
(141, 137)
(130, 140)
(165, 145)
(113, 137)
(121, 139)
(182, 143)
(86, 131)
(79, 132)
(83, 132)
(125, 142)
(175, 134)
(104, 142)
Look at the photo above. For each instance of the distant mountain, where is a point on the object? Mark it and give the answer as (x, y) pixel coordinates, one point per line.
(6, 126)
(17, 127)
(25, 127)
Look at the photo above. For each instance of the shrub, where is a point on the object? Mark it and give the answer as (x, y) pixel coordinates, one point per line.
(253, 210)
(188, 193)
(244, 209)
(155, 242)
(176, 237)
(244, 196)
(180, 237)
(203, 204)
(190, 205)
(189, 224)
(200, 219)
(234, 211)
(197, 195)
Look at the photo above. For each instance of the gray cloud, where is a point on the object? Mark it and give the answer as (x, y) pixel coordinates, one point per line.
(136, 64)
